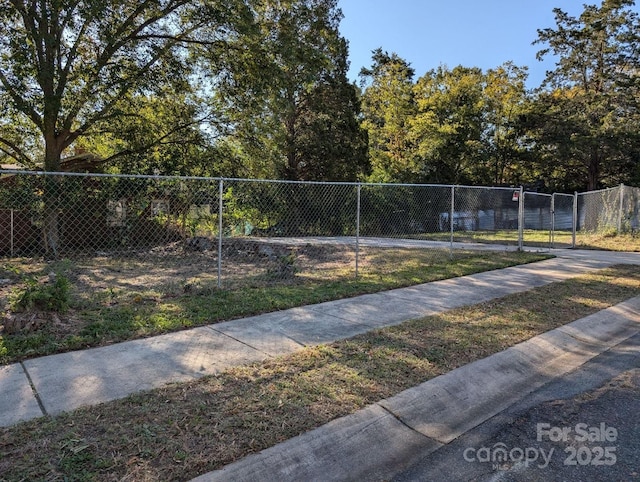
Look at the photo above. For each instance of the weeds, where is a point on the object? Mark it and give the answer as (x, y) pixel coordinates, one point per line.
(284, 267)
(49, 294)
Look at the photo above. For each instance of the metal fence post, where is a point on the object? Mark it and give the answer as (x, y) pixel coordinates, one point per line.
(220, 206)
(12, 233)
(521, 219)
(574, 220)
(552, 233)
(358, 188)
(621, 209)
(453, 207)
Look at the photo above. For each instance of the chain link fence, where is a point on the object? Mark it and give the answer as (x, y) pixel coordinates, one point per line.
(606, 212)
(538, 219)
(486, 215)
(562, 220)
(211, 233)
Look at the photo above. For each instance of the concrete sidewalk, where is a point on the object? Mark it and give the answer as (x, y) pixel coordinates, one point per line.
(58, 383)
(385, 438)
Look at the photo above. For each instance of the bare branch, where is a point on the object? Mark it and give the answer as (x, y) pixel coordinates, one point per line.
(14, 151)
(20, 103)
(162, 140)
(107, 55)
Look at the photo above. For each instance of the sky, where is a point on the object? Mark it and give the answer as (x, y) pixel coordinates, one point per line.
(472, 33)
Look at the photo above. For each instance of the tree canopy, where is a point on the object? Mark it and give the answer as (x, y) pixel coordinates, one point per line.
(586, 118)
(70, 68)
(299, 112)
(257, 88)
(388, 105)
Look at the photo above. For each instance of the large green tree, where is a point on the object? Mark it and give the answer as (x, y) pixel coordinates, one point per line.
(457, 125)
(388, 106)
(330, 142)
(161, 134)
(506, 101)
(69, 68)
(292, 108)
(586, 115)
(448, 128)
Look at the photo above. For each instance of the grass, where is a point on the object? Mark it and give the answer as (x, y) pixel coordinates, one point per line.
(606, 240)
(114, 315)
(183, 430)
(531, 237)
(609, 241)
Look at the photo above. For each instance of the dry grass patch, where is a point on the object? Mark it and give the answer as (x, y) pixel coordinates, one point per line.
(184, 430)
(609, 241)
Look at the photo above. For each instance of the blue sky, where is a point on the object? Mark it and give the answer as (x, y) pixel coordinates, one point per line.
(473, 33)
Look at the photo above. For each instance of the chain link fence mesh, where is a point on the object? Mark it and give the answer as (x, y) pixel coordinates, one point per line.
(538, 219)
(395, 219)
(599, 211)
(206, 233)
(286, 232)
(630, 206)
(562, 220)
(485, 215)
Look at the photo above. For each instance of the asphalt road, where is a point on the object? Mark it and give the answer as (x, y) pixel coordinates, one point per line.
(582, 427)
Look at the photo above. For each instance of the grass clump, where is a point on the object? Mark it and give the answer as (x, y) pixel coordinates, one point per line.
(49, 294)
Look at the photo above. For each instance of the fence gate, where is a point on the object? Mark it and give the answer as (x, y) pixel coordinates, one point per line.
(537, 220)
(563, 220)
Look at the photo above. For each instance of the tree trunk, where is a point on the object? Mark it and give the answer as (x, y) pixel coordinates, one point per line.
(51, 199)
(591, 219)
(593, 175)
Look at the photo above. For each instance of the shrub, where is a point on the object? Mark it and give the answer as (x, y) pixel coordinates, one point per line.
(52, 294)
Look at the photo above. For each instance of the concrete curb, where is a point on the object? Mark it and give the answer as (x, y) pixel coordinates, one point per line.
(376, 442)
(333, 450)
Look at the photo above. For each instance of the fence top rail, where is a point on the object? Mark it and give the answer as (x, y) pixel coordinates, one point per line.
(600, 190)
(531, 193)
(13, 172)
(493, 188)
(163, 177)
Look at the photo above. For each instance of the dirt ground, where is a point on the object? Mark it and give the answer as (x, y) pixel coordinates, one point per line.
(171, 270)
(168, 269)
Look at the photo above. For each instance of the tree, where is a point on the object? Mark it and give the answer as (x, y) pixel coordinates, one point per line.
(587, 111)
(331, 143)
(388, 107)
(457, 125)
(69, 67)
(160, 134)
(20, 143)
(506, 101)
(293, 111)
(448, 129)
